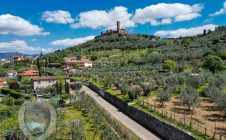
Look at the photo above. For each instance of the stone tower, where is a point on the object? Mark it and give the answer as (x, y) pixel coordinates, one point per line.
(118, 27)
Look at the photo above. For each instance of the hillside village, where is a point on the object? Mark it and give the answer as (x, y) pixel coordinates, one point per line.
(180, 81)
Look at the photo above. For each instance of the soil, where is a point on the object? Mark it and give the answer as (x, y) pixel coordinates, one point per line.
(205, 115)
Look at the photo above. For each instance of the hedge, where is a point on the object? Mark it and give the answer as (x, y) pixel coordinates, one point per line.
(14, 93)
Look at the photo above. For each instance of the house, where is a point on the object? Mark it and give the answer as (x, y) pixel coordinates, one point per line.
(29, 73)
(3, 82)
(12, 73)
(70, 60)
(4, 61)
(85, 63)
(45, 81)
(17, 58)
(69, 69)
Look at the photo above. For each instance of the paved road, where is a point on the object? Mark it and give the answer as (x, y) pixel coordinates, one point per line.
(128, 122)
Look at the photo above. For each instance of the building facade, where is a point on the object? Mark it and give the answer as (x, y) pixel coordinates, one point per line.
(85, 63)
(45, 81)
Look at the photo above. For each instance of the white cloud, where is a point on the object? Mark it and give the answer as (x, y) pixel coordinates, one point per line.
(177, 11)
(220, 12)
(186, 17)
(68, 42)
(104, 19)
(164, 21)
(185, 32)
(59, 17)
(10, 24)
(167, 21)
(21, 46)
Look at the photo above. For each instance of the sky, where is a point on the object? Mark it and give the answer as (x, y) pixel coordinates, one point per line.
(34, 26)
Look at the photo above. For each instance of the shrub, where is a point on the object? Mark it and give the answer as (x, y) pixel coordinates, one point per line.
(132, 94)
(26, 80)
(223, 55)
(169, 65)
(216, 41)
(93, 57)
(76, 86)
(11, 92)
(14, 85)
(15, 94)
(214, 63)
(5, 111)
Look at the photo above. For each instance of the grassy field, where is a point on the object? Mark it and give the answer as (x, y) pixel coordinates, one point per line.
(73, 114)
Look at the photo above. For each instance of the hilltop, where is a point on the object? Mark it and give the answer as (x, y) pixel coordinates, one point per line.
(179, 49)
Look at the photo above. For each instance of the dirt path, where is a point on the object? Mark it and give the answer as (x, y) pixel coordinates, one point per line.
(128, 122)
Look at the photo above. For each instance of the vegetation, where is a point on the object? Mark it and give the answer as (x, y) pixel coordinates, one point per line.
(139, 67)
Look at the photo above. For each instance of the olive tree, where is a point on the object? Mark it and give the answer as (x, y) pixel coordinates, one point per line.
(213, 93)
(147, 87)
(164, 95)
(77, 130)
(134, 93)
(221, 102)
(189, 97)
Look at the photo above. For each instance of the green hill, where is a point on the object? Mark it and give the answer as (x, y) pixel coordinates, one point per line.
(187, 72)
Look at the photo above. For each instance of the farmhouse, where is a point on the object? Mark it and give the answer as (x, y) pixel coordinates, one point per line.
(85, 63)
(45, 81)
(70, 60)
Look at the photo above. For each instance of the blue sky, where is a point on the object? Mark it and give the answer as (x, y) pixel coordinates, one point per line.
(46, 25)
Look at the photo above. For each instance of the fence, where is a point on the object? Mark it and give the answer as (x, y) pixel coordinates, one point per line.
(185, 120)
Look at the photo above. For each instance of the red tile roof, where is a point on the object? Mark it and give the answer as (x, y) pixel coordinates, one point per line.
(29, 73)
(3, 80)
(85, 60)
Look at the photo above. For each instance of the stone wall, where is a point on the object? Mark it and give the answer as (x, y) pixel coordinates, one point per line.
(163, 130)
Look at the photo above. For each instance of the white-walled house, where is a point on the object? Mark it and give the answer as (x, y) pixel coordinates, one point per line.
(85, 63)
(12, 73)
(45, 81)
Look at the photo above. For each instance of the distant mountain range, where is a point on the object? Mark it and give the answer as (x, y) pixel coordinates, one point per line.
(11, 54)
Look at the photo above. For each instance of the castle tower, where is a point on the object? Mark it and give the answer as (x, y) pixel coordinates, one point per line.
(118, 26)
